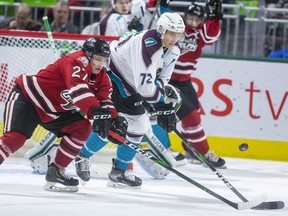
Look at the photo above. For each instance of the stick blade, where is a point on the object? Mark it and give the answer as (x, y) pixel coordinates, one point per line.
(252, 203)
(270, 205)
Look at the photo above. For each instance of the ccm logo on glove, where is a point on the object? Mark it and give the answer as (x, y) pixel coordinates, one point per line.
(107, 116)
(165, 112)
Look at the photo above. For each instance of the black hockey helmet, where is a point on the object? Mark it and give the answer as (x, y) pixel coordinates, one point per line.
(96, 46)
(196, 10)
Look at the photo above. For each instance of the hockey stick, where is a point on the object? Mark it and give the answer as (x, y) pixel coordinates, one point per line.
(238, 206)
(158, 148)
(49, 34)
(264, 205)
(154, 13)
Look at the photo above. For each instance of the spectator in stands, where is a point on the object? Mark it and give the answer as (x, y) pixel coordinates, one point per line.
(61, 21)
(276, 42)
(22, 20)
(93, 29)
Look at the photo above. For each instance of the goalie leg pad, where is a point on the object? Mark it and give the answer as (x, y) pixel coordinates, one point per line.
(159, 149)
(152, 168)
(40, 164)
(40, 153)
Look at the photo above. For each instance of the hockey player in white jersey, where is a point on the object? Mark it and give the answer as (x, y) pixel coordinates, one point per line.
(140, 67)
(124, 15)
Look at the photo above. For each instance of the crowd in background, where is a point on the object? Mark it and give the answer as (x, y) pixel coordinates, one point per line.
(275, 43)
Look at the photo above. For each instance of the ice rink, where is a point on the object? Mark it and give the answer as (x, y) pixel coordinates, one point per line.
(22, 193)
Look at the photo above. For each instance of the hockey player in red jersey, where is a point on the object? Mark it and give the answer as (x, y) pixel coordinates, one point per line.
(51, 99)
(200, 31)
(202, 28)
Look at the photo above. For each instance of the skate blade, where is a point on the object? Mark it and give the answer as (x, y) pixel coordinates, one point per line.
(181, 163)
(120, 185)
(82, 182)
(194, 161)
(55, 187)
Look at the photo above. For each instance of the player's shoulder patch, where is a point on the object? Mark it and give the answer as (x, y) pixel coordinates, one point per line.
(84, 60)
(150, 42)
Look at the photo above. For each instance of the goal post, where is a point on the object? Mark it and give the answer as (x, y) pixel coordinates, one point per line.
(26, 52)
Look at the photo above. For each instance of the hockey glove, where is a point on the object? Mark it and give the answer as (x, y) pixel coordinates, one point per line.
(166, 117)
(119, 126)
(214, 9)
(172, 94)
(101, 121)
(135, 24)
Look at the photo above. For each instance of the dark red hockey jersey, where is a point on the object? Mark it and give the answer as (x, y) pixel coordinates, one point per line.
(191, 48)
(66, 85)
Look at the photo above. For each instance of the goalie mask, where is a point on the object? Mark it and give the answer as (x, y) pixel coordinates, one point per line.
(96, 46)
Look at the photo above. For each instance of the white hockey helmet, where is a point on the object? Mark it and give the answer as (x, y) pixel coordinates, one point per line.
(170, 22)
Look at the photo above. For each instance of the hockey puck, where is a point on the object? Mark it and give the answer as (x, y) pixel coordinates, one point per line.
(243, 147)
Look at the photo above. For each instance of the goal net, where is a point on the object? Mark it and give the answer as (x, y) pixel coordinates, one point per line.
(23, 52)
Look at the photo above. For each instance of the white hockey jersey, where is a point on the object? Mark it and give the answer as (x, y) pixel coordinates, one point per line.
(139, 64)
(115, 24)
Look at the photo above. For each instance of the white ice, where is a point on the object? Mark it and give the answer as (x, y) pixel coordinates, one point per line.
(22, 193)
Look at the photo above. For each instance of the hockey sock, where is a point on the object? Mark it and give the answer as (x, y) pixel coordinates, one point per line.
(93, 145)
(124, 156)
(192, 130)
(162, 135)
(67, 151)
(4, 152)
(13, 140)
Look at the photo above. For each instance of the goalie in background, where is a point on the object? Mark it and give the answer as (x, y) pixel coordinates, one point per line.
(52, 98)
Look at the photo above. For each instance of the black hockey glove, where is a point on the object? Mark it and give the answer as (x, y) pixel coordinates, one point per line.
(172, 94)
(166, 117)
(101, 121)
(214, 9)
(119, 127)
(135, 24)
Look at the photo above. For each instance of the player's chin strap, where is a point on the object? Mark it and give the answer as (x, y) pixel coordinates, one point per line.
(238, 206)
(264, 205)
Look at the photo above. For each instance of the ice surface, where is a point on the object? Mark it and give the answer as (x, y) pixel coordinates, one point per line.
(22, 193)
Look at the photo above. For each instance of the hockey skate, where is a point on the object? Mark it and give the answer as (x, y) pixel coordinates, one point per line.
(65, 183)
(123, 178)
(82, 166)
(191, 158)
(180, 158)
(210, 156)
(215, 160)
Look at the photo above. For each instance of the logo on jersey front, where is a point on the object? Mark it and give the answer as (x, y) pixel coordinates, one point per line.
(190, 43)
(84, 60)
(69, 102)
(149, 42)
